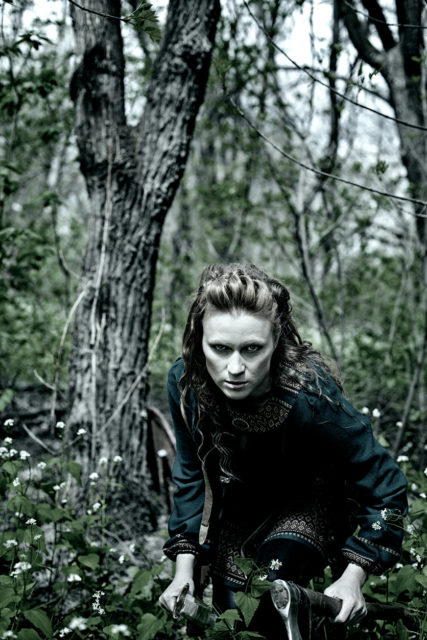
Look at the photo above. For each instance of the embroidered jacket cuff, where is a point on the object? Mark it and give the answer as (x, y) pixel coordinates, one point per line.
(181, 544)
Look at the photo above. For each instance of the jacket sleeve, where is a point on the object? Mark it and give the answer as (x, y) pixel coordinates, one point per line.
(187, 475)
(345, 439)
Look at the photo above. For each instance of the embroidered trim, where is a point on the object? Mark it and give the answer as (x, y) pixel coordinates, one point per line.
(379, 546)
(268, 417)
(370, 565)
(181, 546)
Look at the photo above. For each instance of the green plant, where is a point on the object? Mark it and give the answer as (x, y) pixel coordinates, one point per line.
(58, 575)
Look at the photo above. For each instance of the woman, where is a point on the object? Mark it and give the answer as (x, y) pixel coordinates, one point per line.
(270, 455)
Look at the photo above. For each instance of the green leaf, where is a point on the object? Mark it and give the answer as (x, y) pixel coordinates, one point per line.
(405, 581)
(401, 631)
(422, 580)
(7, 594)
(39, 619)
(75, 469)
(141, 580)
(11, 468)
(91, 560)
(5, 398)
(246, 564)
(231, 616)
(149, 626)
(28, 634)
(247, 605)
(258, 586)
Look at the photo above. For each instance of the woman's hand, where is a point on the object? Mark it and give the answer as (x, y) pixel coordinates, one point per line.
(349, 589)
(183, 575)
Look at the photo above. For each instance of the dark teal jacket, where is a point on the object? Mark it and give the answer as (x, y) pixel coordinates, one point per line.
(322, 437)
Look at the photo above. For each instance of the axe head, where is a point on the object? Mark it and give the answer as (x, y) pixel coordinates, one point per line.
(285, 598)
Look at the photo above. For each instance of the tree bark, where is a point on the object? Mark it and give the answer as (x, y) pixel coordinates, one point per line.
(131, 176)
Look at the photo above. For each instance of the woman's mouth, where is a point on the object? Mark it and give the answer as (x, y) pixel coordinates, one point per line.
(234, 384)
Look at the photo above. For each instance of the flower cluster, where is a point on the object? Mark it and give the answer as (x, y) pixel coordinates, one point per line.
(96, 606)
(19, 568)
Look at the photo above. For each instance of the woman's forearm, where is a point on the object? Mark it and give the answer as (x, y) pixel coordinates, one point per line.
(185, 565)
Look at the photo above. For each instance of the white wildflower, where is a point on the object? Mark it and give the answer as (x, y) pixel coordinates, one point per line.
(78, 623)
(4, 453)
(425, 471)
(9, 422)
(8, 634)
(8, 441)
(12, 453)
(121, 559)
(263, 577)
(122, 629)
(376, 525)
(58, 487)
(402, 459)
(37, 537)
(96, 604)
(423, 495)
(275, 564)
(81, 432)
(64, 632)
(412, 551)
(383, 578)
(19, 568)
(103, 461)
(365, 411)
(60, 425)
(16, 482)
(19, 515)
(376, 413)
(74, 577)
(24, 455)
(117, 459)
(418, 557)
(384, 514)
(399, 565)
(399, 424)
(10, 543)
(410, 529)
(94, 476)
(42, 465)
(132, 547)
(96, 506)
(414, 486)
(31, 521)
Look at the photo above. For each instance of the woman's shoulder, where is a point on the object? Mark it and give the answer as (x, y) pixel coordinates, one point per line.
(176, 371)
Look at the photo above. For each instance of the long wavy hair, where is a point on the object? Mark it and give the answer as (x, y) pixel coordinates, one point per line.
(243, 287)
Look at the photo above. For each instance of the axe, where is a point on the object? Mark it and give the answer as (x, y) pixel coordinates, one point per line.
(288, 598)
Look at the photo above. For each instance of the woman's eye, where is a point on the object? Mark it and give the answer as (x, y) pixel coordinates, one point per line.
(253, 348)
(219, 348)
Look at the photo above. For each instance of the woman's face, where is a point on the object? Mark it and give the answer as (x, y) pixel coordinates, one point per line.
(238, 347)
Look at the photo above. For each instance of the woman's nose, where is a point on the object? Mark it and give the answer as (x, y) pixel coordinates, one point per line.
(235, 366)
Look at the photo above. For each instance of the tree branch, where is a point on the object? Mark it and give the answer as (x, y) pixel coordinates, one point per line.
(378, 17)
(359, 38)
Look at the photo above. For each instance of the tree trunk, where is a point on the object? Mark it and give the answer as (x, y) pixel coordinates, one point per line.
(131, 177)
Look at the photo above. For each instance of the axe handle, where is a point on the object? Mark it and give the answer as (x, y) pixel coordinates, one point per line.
(330, 607)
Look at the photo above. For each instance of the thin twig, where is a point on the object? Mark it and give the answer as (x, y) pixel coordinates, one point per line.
(103, 15)
(36, 439)
(55, 386)
(389, 24)
(324, 84)
(325, 173)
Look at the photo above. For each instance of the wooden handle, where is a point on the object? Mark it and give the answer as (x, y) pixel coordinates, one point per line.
(330, 607)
